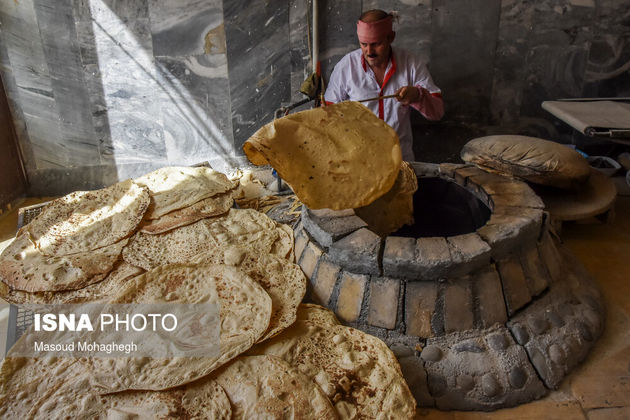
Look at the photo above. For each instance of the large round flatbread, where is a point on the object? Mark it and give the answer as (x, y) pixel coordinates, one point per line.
(337, 157)
(23, 380)
(392, 211)
(284, 245)
(317, 314)
(86, 220)
(283, 280)
(241, 227)
(203, 399)
(532, 159)
(208, 207)
(244, 309)
(266, 387)
(96, 292)
(25, 267)
(173, 188)
(357, 371)
(59, 388)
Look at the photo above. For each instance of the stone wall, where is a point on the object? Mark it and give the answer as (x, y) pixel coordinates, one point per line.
(101, 90)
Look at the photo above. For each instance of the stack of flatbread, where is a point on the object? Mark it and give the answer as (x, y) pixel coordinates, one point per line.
(173, 236)
(72, 251)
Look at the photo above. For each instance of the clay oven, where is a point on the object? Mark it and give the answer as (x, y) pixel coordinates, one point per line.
(482, 305)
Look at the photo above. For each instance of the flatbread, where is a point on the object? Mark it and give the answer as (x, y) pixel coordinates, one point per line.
(242, 227)
(317, 314)
(245, 310)
(24, 379)
(338, 156)
(266, 387)
(284, 281)
(176, 187)
(96, 292)
(59, 388)
(532, 159)
(357, 371)
(208, 207)
(87, 220)
(203, 399)
(25, 267)
(392, 211)
(284, 245)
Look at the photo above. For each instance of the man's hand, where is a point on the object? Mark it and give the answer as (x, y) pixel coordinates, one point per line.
(408, 94)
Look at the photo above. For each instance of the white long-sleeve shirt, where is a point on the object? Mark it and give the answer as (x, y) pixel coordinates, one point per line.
(353, 79)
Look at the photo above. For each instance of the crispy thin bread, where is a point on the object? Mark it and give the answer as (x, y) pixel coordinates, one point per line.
(317, 314)
(59, 388)
(24, 267)
(24, 380)
(208, 207)
(242, 227)
(203, 399)
(283, 246)
(266, 387)
(87, 220)
(284, 281)
(244, 308)
(395, 209)
(96, 292)
(357, 371)
(339, 156)
(173, 188)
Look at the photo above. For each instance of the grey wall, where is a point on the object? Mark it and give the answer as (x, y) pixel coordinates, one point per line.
(101, 90)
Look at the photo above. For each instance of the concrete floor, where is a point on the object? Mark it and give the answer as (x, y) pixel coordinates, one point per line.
(600, 387)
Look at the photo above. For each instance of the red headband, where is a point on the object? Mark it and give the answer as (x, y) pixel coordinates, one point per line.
(369, 32)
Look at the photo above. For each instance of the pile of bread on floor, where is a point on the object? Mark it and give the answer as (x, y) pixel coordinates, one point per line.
(173, 235)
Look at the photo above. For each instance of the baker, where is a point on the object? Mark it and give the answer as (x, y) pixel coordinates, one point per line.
(377, 69)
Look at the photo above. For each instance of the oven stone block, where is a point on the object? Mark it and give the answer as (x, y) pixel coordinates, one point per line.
(497, 184)
(447, 170)
(537, 276)
(399, 257)
(526, 198)
(309, 259)
(489, 294)
(420, 298)
(357, 252)
(458, 305)
(462, 174)
(383, 302)
(505, 232)
(468, 253)
(324, 281)
(433, 258)
(301, 239)
(326, 226)
(550, 256)
(515, 287)
(351, 291)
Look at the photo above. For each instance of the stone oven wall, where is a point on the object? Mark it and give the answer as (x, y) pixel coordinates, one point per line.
(487, 319)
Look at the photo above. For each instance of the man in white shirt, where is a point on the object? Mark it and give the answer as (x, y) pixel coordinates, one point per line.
(376, 69)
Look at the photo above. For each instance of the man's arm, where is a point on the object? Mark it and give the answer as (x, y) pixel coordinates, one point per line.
(430, 105)
(422, 92)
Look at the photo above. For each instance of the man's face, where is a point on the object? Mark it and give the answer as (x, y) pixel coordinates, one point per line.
(376, 53)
